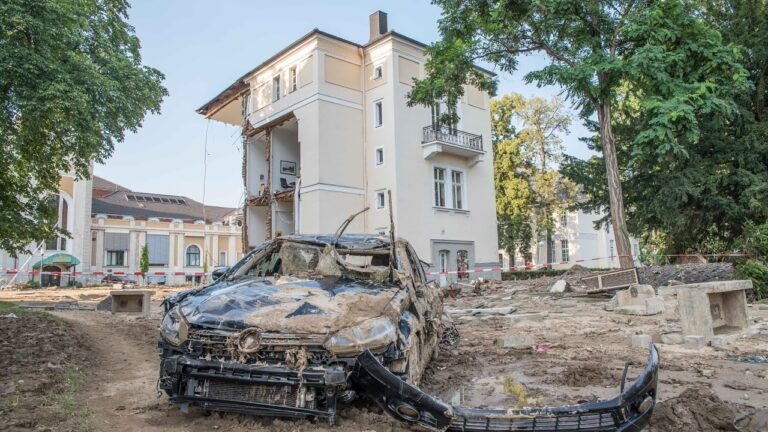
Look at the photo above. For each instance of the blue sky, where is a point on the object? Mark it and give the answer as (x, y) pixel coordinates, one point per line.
(203, 46)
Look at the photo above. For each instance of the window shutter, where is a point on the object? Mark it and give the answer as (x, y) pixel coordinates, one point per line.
(116, 241)
(159, 249)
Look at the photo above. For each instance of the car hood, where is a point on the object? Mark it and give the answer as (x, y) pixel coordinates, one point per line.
(289, 304)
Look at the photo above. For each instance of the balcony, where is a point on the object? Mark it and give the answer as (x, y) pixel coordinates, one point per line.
(441, 139)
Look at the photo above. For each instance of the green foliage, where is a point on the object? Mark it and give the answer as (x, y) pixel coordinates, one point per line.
(144, 260)
(755, 240)
(697, 192)
(757, 271)
(33, 284)
(71, 84)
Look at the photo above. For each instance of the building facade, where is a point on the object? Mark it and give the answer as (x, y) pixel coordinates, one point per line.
(574, 241)
(327, 132)
(110, 224)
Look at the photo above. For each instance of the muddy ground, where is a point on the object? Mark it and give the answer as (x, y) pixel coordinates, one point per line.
(699, 390)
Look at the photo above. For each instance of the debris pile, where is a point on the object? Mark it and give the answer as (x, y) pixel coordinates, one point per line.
(685, 273)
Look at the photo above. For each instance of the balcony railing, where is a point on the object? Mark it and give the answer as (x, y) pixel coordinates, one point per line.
(444, 134)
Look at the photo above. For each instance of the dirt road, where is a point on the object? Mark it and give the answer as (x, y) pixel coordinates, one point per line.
(121, 386)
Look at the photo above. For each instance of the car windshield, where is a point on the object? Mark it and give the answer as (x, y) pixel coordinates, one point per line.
(315, 260)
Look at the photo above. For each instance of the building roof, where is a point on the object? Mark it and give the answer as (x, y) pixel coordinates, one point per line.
(112, 199)
(240, 86)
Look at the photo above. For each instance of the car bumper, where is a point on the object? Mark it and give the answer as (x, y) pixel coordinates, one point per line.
(630, 411)
(251, 389)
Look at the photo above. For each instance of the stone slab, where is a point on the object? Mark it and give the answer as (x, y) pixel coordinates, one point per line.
(641, 340)
(695, 342)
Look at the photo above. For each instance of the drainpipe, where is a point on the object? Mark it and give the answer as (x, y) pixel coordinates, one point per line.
(363, 93)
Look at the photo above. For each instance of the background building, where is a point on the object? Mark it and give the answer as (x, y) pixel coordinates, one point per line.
(327, 132)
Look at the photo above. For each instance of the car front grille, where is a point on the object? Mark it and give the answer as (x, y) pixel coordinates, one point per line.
(578, 422)
(282, 395)
(216, 344)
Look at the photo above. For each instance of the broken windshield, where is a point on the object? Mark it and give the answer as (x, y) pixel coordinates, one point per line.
(313, 260)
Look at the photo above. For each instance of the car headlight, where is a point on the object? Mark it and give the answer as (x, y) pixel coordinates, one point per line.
(173, 328)
(371, 334)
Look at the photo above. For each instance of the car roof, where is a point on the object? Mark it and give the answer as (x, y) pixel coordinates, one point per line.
(346, 241)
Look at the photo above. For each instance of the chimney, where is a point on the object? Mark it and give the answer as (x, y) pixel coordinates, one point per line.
(378, 25)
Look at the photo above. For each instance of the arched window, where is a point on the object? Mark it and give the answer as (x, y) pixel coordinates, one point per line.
(193, 256)
(462, 263)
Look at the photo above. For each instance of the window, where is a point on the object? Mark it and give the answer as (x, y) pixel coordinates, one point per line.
(378, 114)
(293, 84)
(378, 72)
(193, 256)
(380, 156)
(276, 88)
(222, 258)
(565, 254)
(158, 248)
(564, 220)
(444, 256)
(115, 258)
(458, 189)
(611, 249)
(380, 200)
(439, 187)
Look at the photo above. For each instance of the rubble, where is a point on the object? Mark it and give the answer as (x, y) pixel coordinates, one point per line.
(641, 340)
(482, 311)
(695, 342)
(559, 287)
(672, 338)
(637, 300)
(524, 341)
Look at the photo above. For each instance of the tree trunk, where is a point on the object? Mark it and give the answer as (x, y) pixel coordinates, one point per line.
(614, 185)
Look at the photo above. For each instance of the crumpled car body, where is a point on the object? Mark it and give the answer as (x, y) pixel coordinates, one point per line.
(303, 323)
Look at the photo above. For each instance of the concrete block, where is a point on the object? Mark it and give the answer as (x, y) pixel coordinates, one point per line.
(131, 301)
(719, 342)
(516, 342)
(695, 342)
(654, 305)
(641, 340)
(706, 306)
(672, 338)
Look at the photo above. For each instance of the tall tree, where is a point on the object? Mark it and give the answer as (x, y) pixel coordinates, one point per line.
(700, 197)
(513, 194)
(71, 84)
(595, 47)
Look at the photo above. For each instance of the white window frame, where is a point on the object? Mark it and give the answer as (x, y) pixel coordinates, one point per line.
(564, 220)
(276, 88)
(565, 251)
(378, 72)
(378, 156)
(222, 254)
(106, 258)
(435, 189)
(200, 257)
(378, 113)
(450, 188)
(444, 257)
(461, 203)
(381, 200)
(293, 78)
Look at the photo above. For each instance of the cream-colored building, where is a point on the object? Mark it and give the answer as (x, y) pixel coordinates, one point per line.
(574, 241)
(181, 234)
(110, 224)
(327, 132)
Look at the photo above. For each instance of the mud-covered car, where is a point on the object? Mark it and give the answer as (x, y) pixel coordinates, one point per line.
(303, 323)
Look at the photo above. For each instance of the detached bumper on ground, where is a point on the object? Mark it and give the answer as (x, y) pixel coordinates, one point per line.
(628, 412)
(313, 392)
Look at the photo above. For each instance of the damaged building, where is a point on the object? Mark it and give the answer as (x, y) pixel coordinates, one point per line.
(327, 131)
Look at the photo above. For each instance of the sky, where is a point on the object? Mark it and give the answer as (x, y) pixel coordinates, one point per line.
(203, 46)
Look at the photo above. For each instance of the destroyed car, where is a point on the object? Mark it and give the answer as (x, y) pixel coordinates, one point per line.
(305, 322)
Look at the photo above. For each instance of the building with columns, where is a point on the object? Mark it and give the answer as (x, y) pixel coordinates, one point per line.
(181, 234)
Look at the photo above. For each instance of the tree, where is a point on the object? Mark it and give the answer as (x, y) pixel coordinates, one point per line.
(71, 84)
(702, 197)
(595, 47)
(144, 261)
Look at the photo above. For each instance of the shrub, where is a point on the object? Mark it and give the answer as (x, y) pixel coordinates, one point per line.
(757, 271)
(530, 274)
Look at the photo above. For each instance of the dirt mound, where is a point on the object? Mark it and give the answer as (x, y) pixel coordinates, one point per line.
(697, 410)
(40, 370)
(685, 273)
